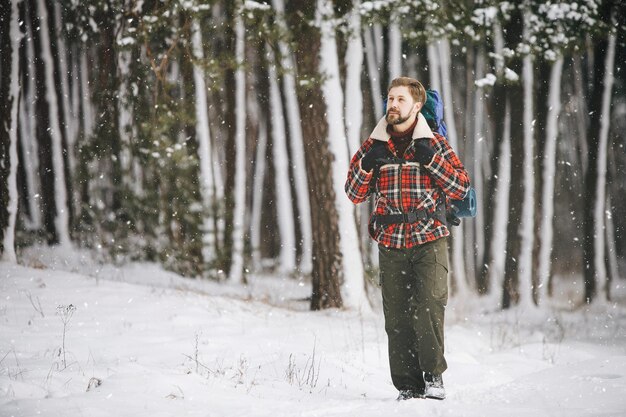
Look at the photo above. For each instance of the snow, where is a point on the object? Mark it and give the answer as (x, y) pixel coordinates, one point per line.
(253, 5)
(488, 80)
(510, 75)
(485, 16)
(127, 40)
(150, 343)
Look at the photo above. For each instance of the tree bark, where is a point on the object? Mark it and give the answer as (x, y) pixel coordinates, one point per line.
(236, 273)
(42, 132)
(593, 231)
(296, 142)
(546, 229)
(515, 95)
(327, 266)
(9, 102)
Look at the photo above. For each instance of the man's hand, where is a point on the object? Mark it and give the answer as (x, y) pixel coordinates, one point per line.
(423, 151)
(377, 151)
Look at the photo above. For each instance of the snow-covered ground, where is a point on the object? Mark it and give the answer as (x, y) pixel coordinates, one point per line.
(145, 342)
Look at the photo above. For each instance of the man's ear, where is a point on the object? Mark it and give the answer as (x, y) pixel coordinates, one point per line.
(418, 106)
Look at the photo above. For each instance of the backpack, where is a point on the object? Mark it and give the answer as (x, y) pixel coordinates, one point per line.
(433, 112)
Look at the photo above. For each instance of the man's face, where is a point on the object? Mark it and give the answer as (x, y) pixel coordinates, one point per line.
(400, 105)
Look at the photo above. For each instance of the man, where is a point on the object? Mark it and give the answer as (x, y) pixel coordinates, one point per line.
(412, 172)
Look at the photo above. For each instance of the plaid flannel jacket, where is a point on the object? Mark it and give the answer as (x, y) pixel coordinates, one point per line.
(408, 187)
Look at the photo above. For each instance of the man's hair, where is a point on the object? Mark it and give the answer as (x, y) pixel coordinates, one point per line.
(417, 90)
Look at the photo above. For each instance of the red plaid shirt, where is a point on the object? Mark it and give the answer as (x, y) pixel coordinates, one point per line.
(409, 187)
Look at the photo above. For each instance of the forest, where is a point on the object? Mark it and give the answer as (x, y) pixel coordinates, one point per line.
(213, 137)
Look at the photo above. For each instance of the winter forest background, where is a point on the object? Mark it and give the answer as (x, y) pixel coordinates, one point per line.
(213, 137)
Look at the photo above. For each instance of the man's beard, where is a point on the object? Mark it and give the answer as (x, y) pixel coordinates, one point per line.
(397, 118)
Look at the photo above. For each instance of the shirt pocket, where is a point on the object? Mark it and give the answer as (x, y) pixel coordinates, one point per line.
(417, 185)
(389, 186)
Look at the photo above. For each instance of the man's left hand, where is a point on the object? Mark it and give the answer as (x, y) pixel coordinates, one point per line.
(423, 151)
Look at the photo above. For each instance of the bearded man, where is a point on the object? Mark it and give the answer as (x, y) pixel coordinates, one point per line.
(412, 172)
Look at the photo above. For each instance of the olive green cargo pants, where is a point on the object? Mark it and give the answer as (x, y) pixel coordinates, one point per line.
(415, 292)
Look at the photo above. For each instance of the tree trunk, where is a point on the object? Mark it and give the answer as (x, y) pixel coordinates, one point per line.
(205, 151)
(395, 49)
(515, 97)
(60, 72)
(353, 95)
(29, 161)
(107, 129)
(457, 251)
(226, 97)
(499, 208)
(296, 145)
(51, 170)
(373, 73)
(527, 224)
(433, 66)
(594, 197)
(495, 203)
(280, 159)
(546, 228)
(10, 38)
(236, 273)
(477, 175)
(470, 138)
(327, 267)
(257, 192)
(353, 286)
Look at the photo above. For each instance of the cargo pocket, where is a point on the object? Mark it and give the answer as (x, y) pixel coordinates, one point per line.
(440, 280)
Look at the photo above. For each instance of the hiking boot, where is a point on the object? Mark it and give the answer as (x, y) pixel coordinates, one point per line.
(434, 387)
(407, 394)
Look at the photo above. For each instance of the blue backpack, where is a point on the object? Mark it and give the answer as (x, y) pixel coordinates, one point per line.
(433, 112)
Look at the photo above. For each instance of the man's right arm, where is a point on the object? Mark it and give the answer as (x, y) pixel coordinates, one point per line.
(358, 183)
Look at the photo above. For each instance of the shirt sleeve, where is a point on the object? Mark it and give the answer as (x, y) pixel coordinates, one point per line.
(357, 185)
(448, 171)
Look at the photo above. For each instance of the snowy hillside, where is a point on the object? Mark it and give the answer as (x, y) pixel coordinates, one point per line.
(145, 342)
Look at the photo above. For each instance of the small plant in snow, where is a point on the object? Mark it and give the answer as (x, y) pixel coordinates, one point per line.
(36, 305)
(240, 373)
(305, 377)
(195, 352)
(12, 374)
(174, 396)
(552, 339)
(506, 334)
(65, 312)
(93, 383)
